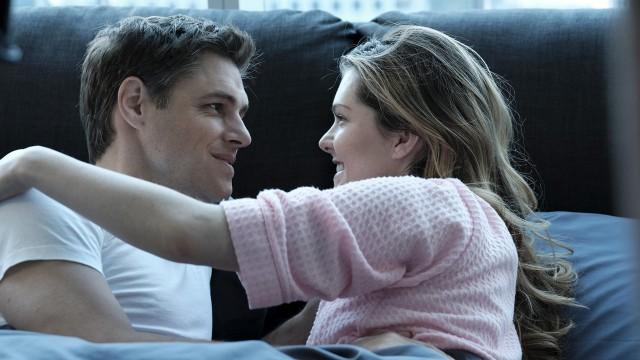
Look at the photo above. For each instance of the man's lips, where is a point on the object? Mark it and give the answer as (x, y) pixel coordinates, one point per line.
(228, 158)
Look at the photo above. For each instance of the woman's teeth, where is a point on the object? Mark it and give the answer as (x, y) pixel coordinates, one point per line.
(339, 167)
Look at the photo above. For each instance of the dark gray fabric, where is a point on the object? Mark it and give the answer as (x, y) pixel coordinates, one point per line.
(461, 355)
(232, 319)
(554, 61)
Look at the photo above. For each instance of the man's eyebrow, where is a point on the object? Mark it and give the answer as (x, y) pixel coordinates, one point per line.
(228, 97)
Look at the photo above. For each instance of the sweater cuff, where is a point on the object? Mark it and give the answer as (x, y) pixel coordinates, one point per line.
(257, 270)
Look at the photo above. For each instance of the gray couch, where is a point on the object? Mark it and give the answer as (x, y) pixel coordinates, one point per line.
(554, 61)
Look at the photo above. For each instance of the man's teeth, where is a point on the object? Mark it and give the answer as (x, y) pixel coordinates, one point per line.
(339, 167)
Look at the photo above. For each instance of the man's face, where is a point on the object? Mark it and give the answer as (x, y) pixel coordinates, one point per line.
(191, 144)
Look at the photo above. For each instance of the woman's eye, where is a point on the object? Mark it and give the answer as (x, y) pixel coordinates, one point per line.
(339, 119)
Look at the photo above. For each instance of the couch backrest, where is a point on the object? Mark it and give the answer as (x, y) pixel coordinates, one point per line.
(553, 59)
(290, 96)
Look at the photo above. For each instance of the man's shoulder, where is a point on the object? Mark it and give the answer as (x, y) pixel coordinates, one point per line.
(34, 218)
(33, 205)
(32, 199)
(35, 227)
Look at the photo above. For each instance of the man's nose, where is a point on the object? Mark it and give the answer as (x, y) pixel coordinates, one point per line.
(238, 133)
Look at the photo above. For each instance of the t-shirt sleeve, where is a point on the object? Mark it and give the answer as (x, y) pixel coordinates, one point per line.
(35, 227)
(346, 241)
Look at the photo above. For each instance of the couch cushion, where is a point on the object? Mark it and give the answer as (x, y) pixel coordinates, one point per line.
(606, 253)
(554, 61)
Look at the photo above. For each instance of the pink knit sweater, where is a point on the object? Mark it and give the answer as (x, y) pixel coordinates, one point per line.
(424, 258)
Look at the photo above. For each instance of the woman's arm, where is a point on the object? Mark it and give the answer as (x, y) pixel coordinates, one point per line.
(351, 240)
(151, 217)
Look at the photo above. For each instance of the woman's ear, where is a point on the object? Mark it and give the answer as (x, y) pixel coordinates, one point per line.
(131, 96)
(405, 145)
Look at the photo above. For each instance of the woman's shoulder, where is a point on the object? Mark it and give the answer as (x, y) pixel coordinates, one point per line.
(405, 186)
(410, 193)
(408, 180)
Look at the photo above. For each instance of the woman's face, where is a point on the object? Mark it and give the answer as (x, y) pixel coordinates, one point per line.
(359, 148)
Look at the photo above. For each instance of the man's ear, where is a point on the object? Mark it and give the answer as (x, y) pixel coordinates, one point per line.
(405, 144)
(131, 100)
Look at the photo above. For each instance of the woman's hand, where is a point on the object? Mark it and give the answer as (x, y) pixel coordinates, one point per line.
(391, 339)
(13, 168)
(295, 331)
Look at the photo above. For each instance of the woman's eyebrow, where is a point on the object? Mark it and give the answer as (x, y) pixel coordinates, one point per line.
(335, 107)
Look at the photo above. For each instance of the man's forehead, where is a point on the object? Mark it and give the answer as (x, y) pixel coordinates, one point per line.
(219, 86)
(216, 76)
(221, 68)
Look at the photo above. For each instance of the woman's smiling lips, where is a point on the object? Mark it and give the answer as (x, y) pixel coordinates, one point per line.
(339, 171)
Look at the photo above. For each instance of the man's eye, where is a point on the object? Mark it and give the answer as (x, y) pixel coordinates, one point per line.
(217, 107)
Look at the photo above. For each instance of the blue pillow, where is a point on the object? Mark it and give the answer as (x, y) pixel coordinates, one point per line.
(606, 260)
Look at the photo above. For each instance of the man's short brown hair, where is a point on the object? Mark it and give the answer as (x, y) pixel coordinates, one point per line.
(159, 51)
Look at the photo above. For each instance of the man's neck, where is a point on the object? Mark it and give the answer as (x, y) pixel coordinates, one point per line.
(113, 159)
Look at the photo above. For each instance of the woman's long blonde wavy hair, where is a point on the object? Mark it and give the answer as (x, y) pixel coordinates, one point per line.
(425, 82)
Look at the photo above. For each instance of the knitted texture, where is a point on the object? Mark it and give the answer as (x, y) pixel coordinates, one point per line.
(426, 258)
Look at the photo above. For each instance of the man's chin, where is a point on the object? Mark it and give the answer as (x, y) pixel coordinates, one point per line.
(217, 196)
(211, 196)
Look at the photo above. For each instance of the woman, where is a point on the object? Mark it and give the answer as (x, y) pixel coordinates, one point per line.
(426, 233)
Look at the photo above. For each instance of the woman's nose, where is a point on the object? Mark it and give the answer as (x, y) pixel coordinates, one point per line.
(326, 142)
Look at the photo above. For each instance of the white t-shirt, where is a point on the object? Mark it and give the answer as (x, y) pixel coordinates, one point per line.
(158, 295)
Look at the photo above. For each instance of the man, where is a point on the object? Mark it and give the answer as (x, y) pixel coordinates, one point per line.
(161, 99)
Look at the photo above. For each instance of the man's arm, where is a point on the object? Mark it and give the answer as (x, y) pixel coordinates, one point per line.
(161, 221)
(66, 298)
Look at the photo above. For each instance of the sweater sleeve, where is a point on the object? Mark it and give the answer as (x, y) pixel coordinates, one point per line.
(347, 241)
